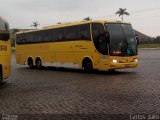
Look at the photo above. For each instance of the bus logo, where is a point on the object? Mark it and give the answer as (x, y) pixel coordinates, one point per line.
(3, 48)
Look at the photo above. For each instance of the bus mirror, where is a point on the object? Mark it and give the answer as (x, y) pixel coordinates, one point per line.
(137, 39)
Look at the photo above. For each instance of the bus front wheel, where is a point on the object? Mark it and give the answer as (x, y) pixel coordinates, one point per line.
(38, 63)
(87, 64)
(1, 73)
(112, 70)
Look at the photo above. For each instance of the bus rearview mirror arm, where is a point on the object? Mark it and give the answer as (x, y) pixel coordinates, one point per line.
(137, 38)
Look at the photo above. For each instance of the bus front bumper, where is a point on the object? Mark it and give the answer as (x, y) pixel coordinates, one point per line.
(123, 65)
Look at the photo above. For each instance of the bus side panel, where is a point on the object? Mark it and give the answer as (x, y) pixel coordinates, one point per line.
(43, 51)
(5, 58)
(6, 66)
(18, 53)
(83, 49)
(62, 52)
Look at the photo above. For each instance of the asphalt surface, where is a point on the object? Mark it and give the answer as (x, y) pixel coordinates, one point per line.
(54, 91)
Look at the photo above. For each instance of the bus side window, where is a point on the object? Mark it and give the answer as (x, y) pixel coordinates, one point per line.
(83, 32)
(29, 38)
(99, 38)
(70, 33)
(47, 36)
(37, 37)
(58, 34)
(21, 38)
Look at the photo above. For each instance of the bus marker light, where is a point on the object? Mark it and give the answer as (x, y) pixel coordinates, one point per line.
(135, 60)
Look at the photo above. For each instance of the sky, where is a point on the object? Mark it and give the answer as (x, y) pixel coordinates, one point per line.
(144, 14)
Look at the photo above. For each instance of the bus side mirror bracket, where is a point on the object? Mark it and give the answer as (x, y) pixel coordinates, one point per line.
(137, 39)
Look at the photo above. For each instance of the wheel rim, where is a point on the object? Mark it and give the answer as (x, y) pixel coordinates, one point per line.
(38, 64)
(88, 66)
(30, 63)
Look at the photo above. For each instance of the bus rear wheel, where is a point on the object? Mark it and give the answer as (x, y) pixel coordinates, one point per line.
(87, 65)
(38, 63)
(30, 63)
(1, 73)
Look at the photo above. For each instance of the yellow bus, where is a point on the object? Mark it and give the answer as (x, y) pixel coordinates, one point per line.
(94, 44)
(5, 50)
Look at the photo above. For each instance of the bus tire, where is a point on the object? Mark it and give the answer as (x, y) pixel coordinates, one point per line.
(112, 71)
(1, 73)
(87, 65)
(38, 63)
(30, 63)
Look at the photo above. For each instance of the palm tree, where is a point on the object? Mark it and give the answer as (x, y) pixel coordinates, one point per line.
(35, 24)
(122, 12)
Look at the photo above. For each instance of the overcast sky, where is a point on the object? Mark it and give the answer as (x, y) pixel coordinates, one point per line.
(144, 14)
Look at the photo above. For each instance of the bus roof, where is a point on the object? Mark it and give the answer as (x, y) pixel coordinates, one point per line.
(73, 23)
(3, 24)
(2, 19)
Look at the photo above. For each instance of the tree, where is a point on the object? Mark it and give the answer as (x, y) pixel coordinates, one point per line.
(35, 24)
(122, 12)
(157, 40)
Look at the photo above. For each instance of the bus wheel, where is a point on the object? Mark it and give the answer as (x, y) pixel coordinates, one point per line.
(1, 73)
(112, 71)
(87, 64)
(38, 63)
(30, 63)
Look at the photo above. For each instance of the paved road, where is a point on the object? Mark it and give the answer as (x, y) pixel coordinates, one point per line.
(61, 91)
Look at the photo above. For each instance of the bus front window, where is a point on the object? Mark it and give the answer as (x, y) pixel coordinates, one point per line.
(122, 40)
(131, 40)
(4, 30)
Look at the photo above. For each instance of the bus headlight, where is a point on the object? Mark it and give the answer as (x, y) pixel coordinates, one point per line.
(135, 60)
(115, 61)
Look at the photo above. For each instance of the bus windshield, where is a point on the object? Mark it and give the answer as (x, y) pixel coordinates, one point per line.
(4, 30)
(122, 40)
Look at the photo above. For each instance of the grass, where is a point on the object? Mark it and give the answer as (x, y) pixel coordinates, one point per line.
(149, 46)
